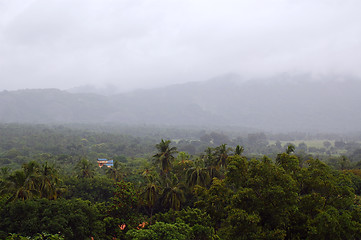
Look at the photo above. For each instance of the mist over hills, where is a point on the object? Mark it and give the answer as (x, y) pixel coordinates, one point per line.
(280, 104)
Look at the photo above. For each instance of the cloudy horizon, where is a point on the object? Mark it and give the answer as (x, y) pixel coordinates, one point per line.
(141, 44)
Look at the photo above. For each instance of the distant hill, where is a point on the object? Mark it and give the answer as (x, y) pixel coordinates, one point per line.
(283, 103)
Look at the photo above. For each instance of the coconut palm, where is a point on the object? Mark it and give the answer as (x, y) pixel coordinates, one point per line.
(4, 172)
(85, 169)
(239, 150)
(15, 186)
(221, 153)
(151, 192)
(116, 172)
(290, 149)
(48, 180)
(211, 162)
(164, 156)
(197, 175)
(22, 184)
(174, 194)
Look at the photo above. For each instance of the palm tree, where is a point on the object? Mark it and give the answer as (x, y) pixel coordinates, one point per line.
(173, 195)
(211, 163)
(151, 193)
(4, 172)
(116, 172)
(85, 169)
(15, 186)
(48, 180)
(239, 150)
(31, 182)
(222, 155)
(22, 184)
(165, 155)
(197, 175)
(290, 149)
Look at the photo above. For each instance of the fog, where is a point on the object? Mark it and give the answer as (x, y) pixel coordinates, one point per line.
(144, 44)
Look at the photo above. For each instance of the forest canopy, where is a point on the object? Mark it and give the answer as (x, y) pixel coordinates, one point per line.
(215, 187)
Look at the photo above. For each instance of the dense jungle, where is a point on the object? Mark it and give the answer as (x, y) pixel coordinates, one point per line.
(173, 183)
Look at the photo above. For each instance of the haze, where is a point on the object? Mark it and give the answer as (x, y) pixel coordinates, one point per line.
(144, 44)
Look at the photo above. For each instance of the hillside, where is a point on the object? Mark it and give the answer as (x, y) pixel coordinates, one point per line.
(278, 104)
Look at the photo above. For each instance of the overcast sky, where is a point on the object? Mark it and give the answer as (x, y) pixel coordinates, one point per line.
(140, 44)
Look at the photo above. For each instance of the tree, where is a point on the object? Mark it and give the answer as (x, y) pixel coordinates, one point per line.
(198, 220)
(19, 186)
(237, 171)
(75, 218)
(214, 201)
(97, 189)
(222, 154)
(85, 169)
(48, 180)
(165, 156)
(288, 162)
(32, 181)
(4, 173)
(211, 163)
(239, 150)
(151, 193)
(123, 209)
(264, 202)
(162, 231)
(124, 202)
(197, 175)
(182, 156)
(173, 194)
(290, 149)
(39, 236)
(116, 172)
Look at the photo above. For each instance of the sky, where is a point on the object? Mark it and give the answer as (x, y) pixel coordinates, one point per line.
(131, 44)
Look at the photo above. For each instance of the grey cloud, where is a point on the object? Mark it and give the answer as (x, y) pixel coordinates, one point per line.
(134, 44)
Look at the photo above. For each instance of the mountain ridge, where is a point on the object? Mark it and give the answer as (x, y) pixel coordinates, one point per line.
(283, 105)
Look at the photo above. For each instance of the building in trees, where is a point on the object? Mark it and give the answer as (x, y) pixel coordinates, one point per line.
(104, 161)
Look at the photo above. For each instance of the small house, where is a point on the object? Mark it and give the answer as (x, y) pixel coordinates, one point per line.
(104, 161)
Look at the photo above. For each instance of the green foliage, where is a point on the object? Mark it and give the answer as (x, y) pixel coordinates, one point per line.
(123, 209)
(124, 201)
(32, 181)
(165, 156)
(151, 192)
(198, 220)
(197, 175)
(288, 162)
(191, 216)
(85, 168)
(117, 172)
(238, 150)
(97, 189)
(75, 219)
(237, 171)
(221, 154)
(214, 201)
(162, 231)
(39, 236)
(173, 193)
(278, 197)
(263, 204)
